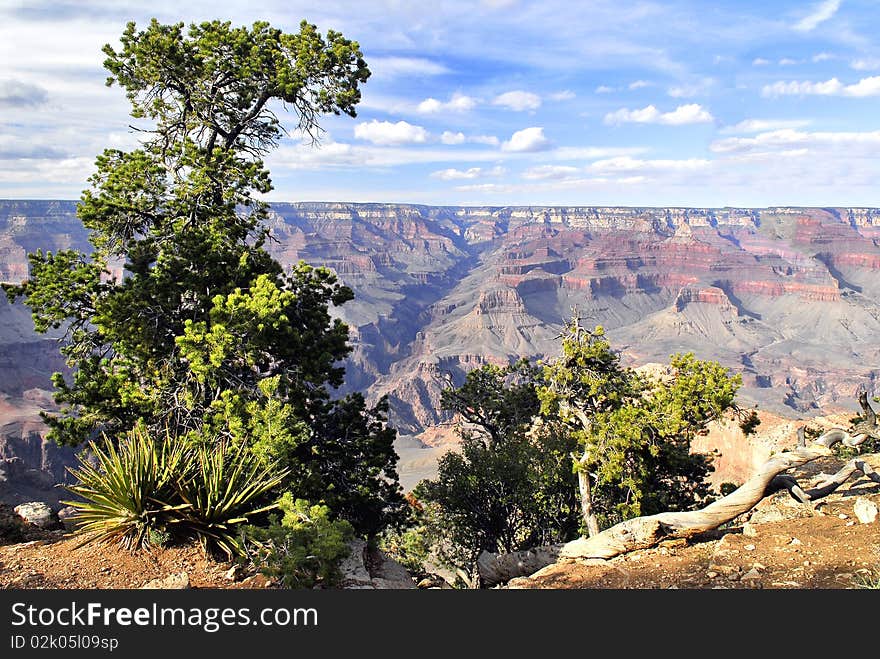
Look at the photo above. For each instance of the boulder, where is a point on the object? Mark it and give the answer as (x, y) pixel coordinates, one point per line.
(37, 513)
(865, 510)
(174, 581)
(67, 516)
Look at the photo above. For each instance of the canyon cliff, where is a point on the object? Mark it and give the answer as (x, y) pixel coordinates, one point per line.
(788, 297)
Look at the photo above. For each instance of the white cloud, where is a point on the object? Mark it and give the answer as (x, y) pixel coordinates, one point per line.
(787, 61)
(692, 113)
(762, 125)
(822, 57)
(564, 95)
(604, 89)
(396, 67)
(542, 172)
(864, 87)
(639, 84)
(448, 137)
(625, 164)
(760, 61)
(691, 89)
(471, 173)
(15, 93)
(384, 133)
(518, 100)
(527, 140)
(788, 139)
(821, 13)
(456, 103)
(865, 64)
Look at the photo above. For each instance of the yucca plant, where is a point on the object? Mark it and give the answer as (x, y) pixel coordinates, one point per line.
(131, 489)
(226, 487)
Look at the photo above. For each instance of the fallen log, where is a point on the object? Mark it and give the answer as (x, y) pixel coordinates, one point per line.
(644, 532)
(499, 568)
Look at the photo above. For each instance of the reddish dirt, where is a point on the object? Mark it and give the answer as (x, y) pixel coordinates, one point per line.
(53, 561)
(815, 553)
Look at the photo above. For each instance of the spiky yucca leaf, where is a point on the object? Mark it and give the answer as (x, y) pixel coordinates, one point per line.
(226, 488)
(129, 491)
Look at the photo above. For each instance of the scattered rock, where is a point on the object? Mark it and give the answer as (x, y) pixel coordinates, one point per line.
(749, 530)
(751, 574)
(711, 574)
(67, 517)
(231, 574)
(865, 510)
(843, 516)
(37, 513)
(795, 541)
(175, 581)
(749, 547)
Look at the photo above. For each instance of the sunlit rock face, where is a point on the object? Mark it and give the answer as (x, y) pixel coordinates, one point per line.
(788, 297)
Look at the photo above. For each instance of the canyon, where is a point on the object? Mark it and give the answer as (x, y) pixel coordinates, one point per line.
(787, 297)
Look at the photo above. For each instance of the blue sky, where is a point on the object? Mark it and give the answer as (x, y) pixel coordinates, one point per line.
(503, 102)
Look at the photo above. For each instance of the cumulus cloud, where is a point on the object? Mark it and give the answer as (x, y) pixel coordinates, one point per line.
(543, 172)
(384, 133)
(448, 137)
(691, 89)
(628, 165)
(787, 139)
(787, 61)
(604, 89)
(518, 100)
(833, 87)
(760, 61)
(691, 113)
(396, 67)
(527, 140)
(18, 94)
(865, 64)
(470, 173)
(762, 125)
(638, 84)
(821, 13)
(822, 57)
(564, 95)
(456, 103)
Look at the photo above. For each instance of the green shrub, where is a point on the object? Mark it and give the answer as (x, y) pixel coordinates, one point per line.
(130, 490)
(225, 487)
(304, 548)
(146, 491)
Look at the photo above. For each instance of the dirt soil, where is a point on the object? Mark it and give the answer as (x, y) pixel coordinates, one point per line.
(51, 559)
(779, 544)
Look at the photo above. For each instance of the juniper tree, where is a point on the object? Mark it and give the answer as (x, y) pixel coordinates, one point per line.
(634, 432)
(205, 335)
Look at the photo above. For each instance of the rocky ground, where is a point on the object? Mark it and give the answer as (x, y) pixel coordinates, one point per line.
(52, 558)
(779, 544)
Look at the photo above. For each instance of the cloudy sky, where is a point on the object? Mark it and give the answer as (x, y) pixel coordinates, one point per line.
(497, 102)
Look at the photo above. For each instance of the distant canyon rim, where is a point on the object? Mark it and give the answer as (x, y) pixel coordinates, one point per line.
(789, 297)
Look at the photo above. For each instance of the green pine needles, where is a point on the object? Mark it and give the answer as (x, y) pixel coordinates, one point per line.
(181, 324)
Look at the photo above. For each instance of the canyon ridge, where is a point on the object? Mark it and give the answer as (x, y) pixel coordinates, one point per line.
(788, 297)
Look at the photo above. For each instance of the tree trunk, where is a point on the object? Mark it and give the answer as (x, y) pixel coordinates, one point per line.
(590, 520)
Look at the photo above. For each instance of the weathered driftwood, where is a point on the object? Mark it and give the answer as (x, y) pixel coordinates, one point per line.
(499, 568)
(827, 486)
(644, 532)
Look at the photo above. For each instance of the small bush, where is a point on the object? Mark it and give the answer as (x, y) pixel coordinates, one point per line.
(304, 548)
(147, 491)
(225, 488)
(130, 489)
